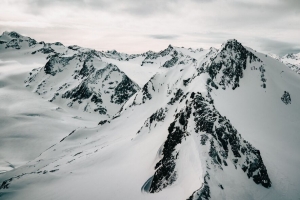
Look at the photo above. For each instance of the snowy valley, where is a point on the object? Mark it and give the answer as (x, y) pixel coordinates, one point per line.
(182, 123)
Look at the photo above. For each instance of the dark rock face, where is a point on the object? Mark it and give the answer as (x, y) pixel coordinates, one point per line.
(46, 50)
(120, 94)
(166, 51)
(165, 169)
(176, 97)
(225, 145)
(86, 70)
(186, 82)
(96, 99)
(263, 79)
(286, 98)
(14, 43)
(14, 34)
(58, 44)
(124, 91)
(150, 56)
(74, 47)
(225, 136)
(170, 63)
(222, 140)
(231, 61)
(51, 66)
(103, 122)
(291, 55)
(17, 39)
(31, 42)
(89, 81)
(204, 192)
(80, 92)
(146, 91)
(156, 117)
(101, 110)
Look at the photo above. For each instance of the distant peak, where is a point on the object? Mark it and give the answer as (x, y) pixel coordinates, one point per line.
(170, 46)
(11, 34)
(232, 44)
(290, 55)
(58, 44)
(74, 47)
(232, 40)
(150, 52)
(113, 51)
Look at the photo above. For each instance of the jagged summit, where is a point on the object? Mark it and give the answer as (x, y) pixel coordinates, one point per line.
(74, 47)
(11, 34)
(175, 124)
(291, 60)
(227, 68)
(84, 82)
(292, 56)
(231, 44)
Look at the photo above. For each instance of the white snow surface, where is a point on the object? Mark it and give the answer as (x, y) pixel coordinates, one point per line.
(52, 151)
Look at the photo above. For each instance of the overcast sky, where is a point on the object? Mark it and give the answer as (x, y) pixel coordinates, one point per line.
(135, 26)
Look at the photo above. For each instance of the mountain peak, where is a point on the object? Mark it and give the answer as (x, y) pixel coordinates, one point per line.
(11, 34)
(232, 44)
(186, 126)
(291, 55)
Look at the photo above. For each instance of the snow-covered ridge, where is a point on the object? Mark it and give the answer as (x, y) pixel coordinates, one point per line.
(205, 119)
(291, 60)
(72, 72)
(187, 133)
(75, 77)
(83, 81)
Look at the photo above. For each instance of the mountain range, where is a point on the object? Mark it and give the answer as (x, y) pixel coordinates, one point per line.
(181, 123)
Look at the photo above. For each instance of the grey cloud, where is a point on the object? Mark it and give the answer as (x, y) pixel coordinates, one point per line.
(183, 23)
(278, 47)
(131, 7)
(147, 8)
(292, 3)
(211, 34)
(204, 1)
(38, 7)
(164, 37)
(44, 3)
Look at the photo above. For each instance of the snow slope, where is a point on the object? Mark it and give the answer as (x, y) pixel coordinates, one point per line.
(52, 68)
(270, 125)
(29, 124)
(208, 124)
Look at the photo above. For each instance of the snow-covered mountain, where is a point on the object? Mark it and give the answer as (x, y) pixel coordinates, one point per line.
(205, 124)
(292, 60)
(75, 77)
(84, 82)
